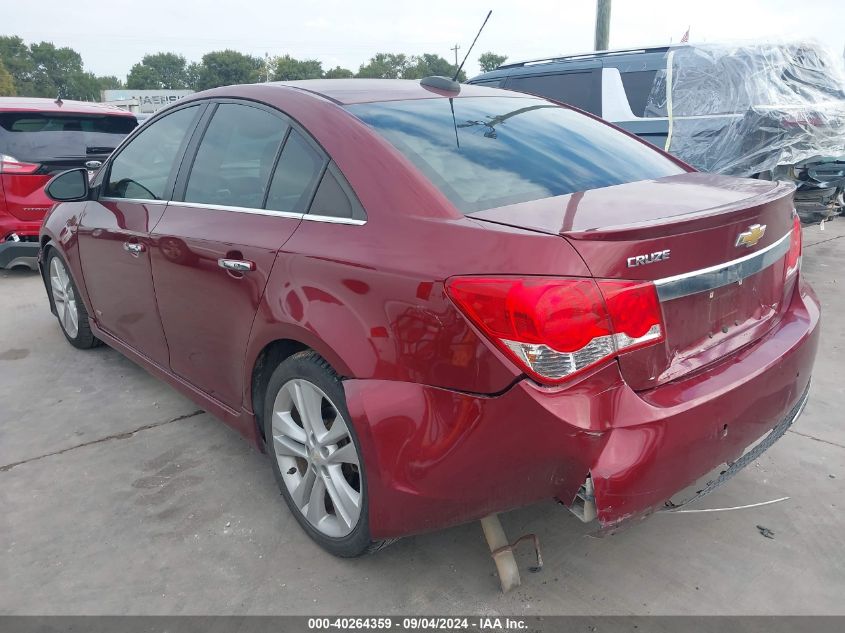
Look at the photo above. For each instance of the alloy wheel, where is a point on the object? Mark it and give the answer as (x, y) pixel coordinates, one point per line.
(317, 458)
(64, 297)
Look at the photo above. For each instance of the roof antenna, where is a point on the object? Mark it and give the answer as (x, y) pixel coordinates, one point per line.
(469, 50)
(452, 85)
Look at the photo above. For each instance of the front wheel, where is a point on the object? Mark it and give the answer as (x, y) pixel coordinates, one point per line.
(71, 312)
(315, 454)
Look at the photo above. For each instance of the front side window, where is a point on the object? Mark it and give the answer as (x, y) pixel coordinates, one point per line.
(142, 169)
(496, 151)
(235, 157)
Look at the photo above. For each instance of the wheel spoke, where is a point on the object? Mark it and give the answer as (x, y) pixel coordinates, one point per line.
(317, 502)
(283, 423)
(302, 492)
(58, 288)
(336, 433)
(74, 317)
(288, 447)
(345, 499)
(344, 455)
(309, 404)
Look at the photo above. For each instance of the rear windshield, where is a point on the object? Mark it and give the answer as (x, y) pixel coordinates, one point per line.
(36, 137)
(495, 151)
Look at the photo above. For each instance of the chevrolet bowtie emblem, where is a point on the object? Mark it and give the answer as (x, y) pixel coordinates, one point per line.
(750, 237)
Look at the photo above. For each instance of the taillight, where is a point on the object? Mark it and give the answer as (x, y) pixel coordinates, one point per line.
(11, 165)
(554, 328)
(793, 256)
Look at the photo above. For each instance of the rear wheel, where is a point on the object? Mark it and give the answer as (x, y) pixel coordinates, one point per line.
(315, 454)
(70, 311)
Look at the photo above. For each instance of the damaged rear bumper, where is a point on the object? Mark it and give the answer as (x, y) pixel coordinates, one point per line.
(437, 457)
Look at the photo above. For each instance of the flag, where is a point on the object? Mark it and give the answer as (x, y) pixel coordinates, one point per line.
(685, 37)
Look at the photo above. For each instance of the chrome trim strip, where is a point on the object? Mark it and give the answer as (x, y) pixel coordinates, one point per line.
(250, 210)
(720, 275)
(333, 220)
(222, 207)
(132, 200)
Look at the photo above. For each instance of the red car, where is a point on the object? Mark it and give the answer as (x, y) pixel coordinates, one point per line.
(433, 304)
(38, 139)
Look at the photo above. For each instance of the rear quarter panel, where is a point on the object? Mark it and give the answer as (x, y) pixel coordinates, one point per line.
(371, 298)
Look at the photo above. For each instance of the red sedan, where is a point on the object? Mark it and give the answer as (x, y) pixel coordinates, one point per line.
(431, 304)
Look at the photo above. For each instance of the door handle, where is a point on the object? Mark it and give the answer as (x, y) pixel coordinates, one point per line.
(134, 248)
(236, 265)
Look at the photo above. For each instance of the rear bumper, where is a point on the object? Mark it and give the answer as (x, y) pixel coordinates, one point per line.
(437, 457)
(14, 254)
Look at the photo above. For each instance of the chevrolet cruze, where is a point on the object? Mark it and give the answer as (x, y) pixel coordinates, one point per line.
(429, 302)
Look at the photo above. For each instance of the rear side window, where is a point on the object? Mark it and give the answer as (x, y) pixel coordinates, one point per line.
(580, 89)
(142, 169)
(495, 151)
(638, 86)
(296, 175)
(235, 157)
(36, 137)
(334, 199)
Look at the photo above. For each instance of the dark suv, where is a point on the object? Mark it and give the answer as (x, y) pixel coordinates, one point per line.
(38, 139)
(769, 111)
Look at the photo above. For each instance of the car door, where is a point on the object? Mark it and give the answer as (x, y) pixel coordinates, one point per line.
(245, 184)
(114, 240)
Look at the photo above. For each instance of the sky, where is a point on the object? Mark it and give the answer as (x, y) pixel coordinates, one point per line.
(114, 35)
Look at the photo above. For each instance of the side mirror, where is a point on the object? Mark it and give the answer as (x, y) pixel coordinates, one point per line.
(69, 186)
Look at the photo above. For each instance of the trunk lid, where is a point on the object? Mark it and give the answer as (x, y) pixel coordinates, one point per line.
(718, 291)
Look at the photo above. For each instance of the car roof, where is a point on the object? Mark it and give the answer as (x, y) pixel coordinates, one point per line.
(34, 104)
(651, 55)
(350, 91)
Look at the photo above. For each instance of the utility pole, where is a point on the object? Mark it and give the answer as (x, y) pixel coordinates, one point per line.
(602, 41)
(455, 48)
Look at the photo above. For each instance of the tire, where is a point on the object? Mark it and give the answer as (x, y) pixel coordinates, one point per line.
(65, 298)
(301, 450)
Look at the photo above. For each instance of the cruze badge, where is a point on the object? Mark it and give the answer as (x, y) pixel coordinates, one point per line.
(640, 260)
(750, 237)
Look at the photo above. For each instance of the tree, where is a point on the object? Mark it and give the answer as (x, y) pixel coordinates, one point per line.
(490, 61)
(223, 68)
(286, 68)
(159, 71)
(384, 66)
(43, 70)
(18, 62)
(192, 76)
(338, 73)
(7, 83)
(429, 64)
(81, 86)
(56, 72)
(400, 66)
(109, 82)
